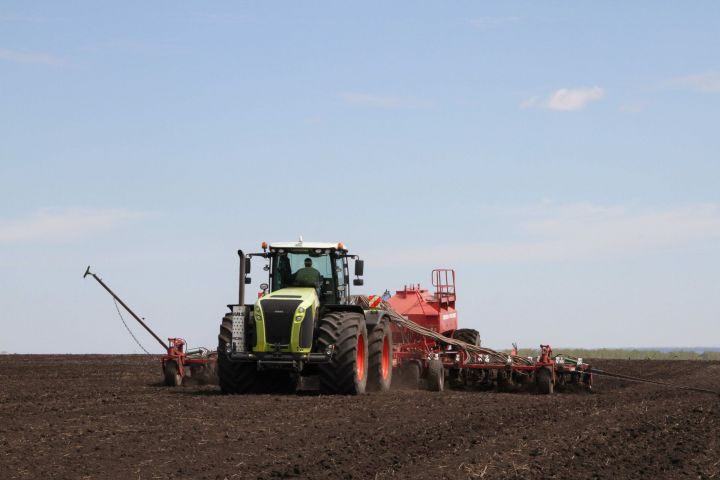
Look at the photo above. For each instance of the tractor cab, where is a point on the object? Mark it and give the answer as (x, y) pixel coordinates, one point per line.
(321, 266)
(305, 280)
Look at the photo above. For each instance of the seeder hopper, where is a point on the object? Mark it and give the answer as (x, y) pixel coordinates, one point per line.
(430, 351)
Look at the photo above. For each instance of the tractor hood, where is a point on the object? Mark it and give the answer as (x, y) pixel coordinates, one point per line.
(304, 294)
(285, 319)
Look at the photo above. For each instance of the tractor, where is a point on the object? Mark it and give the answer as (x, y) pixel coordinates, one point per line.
(304, 327)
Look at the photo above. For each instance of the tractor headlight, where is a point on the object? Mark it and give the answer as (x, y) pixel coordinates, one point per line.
(301, 310)
(299, 318)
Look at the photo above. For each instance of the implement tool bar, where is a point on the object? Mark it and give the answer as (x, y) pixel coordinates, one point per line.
(654, 382)
(88, 272)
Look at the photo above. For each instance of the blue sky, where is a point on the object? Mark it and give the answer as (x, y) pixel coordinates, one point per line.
(562, 157)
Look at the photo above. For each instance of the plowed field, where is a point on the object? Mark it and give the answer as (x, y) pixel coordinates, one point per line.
(110, 417)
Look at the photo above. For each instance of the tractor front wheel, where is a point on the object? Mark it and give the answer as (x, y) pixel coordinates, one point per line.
(380, 353)
(346, 372)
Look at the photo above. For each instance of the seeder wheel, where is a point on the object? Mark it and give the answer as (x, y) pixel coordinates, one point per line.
(436, 375)
(467, 335)
(408, 376)
(172, 374)
(543, 378)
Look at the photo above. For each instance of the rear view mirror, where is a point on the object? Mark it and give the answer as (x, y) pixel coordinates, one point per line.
(359, 264)
(247, 266)
(248, 280)
(358, 282)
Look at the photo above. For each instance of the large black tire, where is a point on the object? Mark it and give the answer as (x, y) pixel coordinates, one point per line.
(346, 373)
(436, 375)
(172, 374)
(380, 350)
(467, 335)
(233, 377)
(543, 378)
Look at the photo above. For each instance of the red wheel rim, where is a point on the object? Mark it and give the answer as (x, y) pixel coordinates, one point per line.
(385, 358)
(360, 360)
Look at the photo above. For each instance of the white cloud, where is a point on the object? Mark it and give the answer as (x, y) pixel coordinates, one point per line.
(22, 56)
(566, 99)
(703, 82)
(383, 101)
(551, 233)
(54, 225)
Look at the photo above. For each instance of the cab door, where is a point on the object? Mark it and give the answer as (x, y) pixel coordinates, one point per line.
(341, 276)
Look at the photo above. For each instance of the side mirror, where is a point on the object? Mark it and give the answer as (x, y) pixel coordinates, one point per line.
(358, 282)
(248, 280)
(247, 266)
(359, 264)
(264, 286)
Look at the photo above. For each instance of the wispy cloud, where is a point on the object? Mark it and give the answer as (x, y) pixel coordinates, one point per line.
(24, 56)
(702, 82)
(491, 22)
(565, 99)
(53, 225)
(384, 101)
(551, 233)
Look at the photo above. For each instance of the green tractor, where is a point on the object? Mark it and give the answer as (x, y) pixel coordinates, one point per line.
(304, 326)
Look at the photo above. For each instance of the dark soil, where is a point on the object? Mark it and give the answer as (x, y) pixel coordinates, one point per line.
(110, 417)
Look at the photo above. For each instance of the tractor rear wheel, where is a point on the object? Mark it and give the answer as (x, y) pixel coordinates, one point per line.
(467, 335)
(543, 378)
(435, 375)
(346, 372)
(172, 374)
(380, 350)
(234, 377)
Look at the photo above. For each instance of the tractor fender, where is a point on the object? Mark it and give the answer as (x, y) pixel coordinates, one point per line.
(373, 317)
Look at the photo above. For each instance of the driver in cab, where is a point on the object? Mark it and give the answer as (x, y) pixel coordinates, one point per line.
(308, 276)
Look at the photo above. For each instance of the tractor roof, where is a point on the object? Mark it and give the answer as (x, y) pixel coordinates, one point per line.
(305, 245)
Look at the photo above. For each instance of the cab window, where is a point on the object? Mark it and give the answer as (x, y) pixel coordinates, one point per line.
(286, 266)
